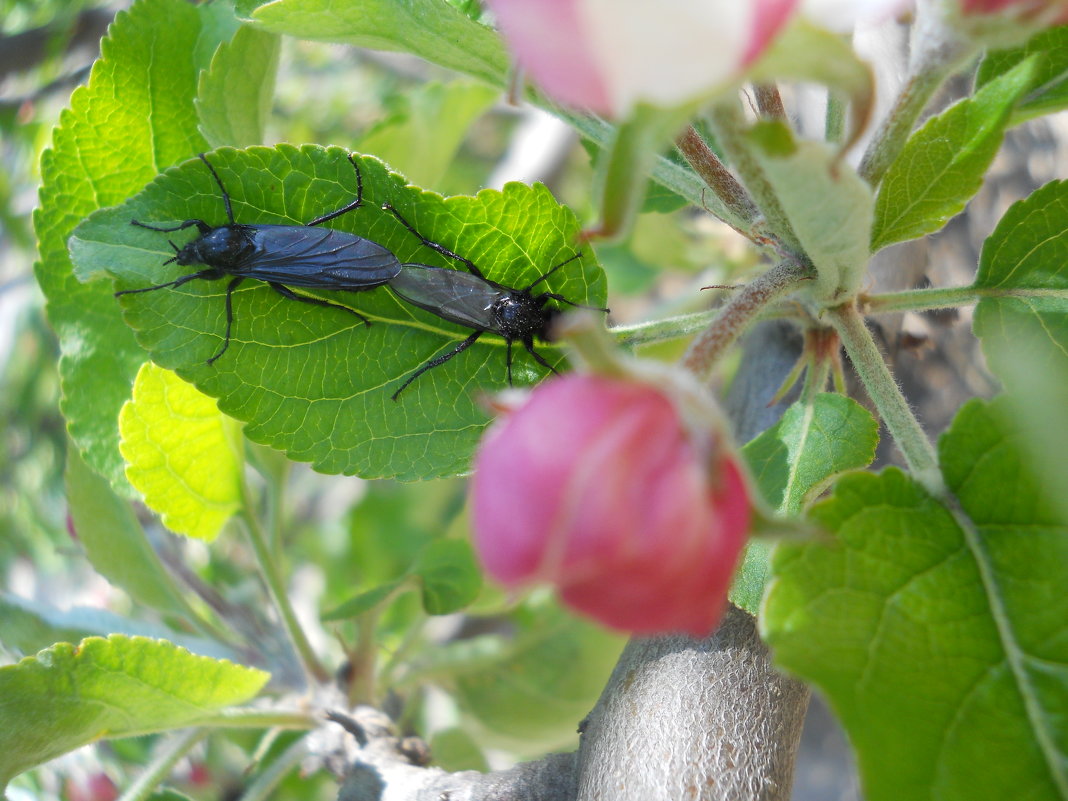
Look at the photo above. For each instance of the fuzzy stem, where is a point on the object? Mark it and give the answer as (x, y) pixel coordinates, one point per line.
(937, 51)
(276, 586)
(769, 101)
(949, 297)
(834, 126)
(740, 311)
(264, 785)
(162, 764)
(362, 686)
(248, 718)
(661, 330)
(719, 179)
(729, 127)
(898, 418)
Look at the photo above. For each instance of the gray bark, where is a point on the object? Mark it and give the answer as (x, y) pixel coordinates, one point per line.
(694, 719)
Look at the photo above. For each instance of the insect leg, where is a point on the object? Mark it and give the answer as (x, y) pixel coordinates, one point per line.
(351, 206)
(222, 189)
(208, 275)
(444, 251)
(438, 360)
(529, 345)
(286, 292)
(229, 315)
(202, 226)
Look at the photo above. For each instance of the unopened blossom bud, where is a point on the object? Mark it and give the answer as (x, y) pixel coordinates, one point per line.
(606, 56)
(991, 24)
(1049, 12)
(596, 486)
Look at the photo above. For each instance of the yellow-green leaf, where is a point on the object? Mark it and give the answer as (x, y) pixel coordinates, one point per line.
(182, 453)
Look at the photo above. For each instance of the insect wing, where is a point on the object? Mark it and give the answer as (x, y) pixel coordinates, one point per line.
(453, 295)
(299, 255)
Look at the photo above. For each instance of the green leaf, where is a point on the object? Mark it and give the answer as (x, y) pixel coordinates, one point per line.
(793, 462)
(364, 602)
(1024, 327)
(531, 697)
(182, 455)
(68, 695)
(421, 138)
(942, 165)
(134, 118)
(430, 29)
(829, 207)
(447, 572)
(316, 382)
(455, 750)
(114, 541)
(938, 634)
(450, 576)
(814, 443)
(30, 626)
(234, 96)
(1048, 90)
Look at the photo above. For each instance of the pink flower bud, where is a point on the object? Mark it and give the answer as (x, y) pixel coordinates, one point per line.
(595, 485)
(1048, 12)
(608, 55)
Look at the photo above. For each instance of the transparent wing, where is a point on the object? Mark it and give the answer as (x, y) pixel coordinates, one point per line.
(453, 295)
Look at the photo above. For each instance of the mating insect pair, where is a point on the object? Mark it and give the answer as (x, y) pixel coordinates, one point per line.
(285, 256)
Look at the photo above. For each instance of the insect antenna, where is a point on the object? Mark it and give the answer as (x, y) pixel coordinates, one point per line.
(561, 298)
(537, 281)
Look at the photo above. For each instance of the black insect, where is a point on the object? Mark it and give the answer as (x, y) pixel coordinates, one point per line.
(474, 301)
(282, 256)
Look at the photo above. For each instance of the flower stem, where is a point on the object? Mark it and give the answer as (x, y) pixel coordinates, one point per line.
(902, 424)
(272, 577)
(741, 310)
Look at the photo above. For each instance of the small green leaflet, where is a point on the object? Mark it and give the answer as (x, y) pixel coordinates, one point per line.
(794, 461)
(67, 695)
(182, 454)
(943, 163)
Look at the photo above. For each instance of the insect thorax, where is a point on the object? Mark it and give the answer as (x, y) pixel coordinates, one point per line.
(223, 247)
(521, 316)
